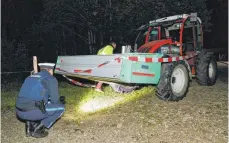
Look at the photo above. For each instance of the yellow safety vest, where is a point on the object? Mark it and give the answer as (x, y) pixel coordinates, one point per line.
(107, 50)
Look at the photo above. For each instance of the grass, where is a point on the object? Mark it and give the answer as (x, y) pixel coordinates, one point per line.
(76, 97)
(8, 99)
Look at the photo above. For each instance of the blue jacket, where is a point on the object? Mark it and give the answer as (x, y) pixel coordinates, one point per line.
(41, 86)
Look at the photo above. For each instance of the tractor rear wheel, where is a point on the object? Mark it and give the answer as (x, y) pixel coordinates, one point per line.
(174, 81)
(206, 69)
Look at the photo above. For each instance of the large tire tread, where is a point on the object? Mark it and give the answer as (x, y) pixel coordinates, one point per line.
(202, 66)
(163, 89)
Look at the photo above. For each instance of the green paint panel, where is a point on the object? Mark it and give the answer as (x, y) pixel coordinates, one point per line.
(58, 60)
(130, 71)
(141, 72)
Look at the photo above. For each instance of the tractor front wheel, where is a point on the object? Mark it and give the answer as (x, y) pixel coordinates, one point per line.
(174, 81)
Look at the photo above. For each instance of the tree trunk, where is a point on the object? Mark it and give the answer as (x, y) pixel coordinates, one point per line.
(110, 20)
(90, 40)
(101, 38)
(94, 43)
(64, 49)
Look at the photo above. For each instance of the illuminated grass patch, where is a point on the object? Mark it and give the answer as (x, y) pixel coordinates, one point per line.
(82, 101)
(97, 101)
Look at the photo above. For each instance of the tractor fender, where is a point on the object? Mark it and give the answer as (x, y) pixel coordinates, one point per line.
(186, 62)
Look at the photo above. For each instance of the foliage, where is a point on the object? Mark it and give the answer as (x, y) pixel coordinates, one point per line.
(220, 27)
(17, 18)
(108, 20)
(55, 27)
(14, 55)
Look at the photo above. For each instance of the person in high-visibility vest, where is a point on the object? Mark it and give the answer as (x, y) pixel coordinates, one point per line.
(107, 50)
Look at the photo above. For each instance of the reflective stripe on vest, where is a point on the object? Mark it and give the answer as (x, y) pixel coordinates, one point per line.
(55, 109)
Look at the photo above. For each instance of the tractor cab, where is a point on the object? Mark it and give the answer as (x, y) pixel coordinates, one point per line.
(177, 34)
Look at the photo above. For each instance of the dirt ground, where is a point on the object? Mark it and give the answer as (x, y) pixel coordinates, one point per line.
(201, 117)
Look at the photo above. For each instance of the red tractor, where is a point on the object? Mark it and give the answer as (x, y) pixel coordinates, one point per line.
(179, 35)
(170, 53)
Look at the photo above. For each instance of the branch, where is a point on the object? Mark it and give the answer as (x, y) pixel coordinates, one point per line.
(71, 31)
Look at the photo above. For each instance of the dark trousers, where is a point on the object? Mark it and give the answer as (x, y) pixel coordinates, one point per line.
(53, 112)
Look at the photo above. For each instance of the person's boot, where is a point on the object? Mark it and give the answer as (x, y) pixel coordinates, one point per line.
(39, 131)
(28, 128)
(34, 125)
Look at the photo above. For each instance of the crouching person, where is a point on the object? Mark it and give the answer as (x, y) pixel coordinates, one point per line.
(38, 102)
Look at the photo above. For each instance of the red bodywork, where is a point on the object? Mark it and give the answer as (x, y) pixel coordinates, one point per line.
(151, 47)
